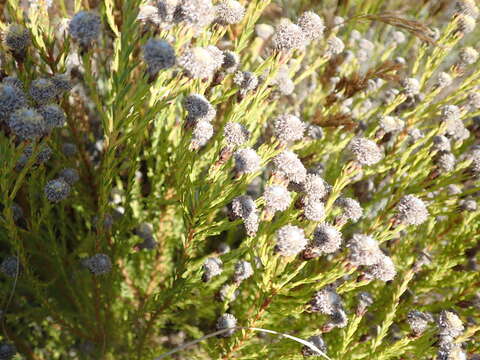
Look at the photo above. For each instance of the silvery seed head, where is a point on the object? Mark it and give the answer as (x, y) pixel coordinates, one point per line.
(314, 187)
(16, 39)
(351, 208)
(312, 25)
(7, 351)
(288, 128)
(229, 12)
(441, 143)
(235, 134)
(13, 81)
(443, 80)
(212, 267)
(450, 325)
(57, 190)
(473, 100)
(43, 156)
(283, 81)
(418, 321)
(251, 224)
(246, 81)
(85, 27)
(466, 24)
(99, 264)
(27, 124)
(11, 99)
(314, 132)
(338, 319)
(326, 239)
(445, 161)
(318, 342)
(42, 91)
(467, 7)
(468, 56)
(411, 86)
(247, 161)
(450, 112)
(226, 321)
(198, 63)
(399, 37)
(334, 46)
(69, 175)
(149, 14)
(243, 270)
(196, 13)
(158, 55)
(326, 301)
(313, 209)
(365, 151)
(288, 36)
(53, 115)
(365, 300)
(199, 108)
(166, 10)
(69, 149)
(383, 269)
(202, 132)
(277, 198)
(468, 204)
(412, 210)
(391, 123)
(11, 267)
(231, 61)
(217, 56)
(364, 250)
(62, 83)
(226, 294)
(290, 240)
(288, 165)
(243, 206)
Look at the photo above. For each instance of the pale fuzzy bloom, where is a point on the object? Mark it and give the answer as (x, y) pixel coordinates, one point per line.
(197, 13)
(466, 24)
(453, 189)
(338, 21)
(411, 86)
(14, 82)
(231, 61)
(334, 46)
(313, 209)
(235, 134)
(166, 10)
(399, 37)
(366, 44)
(226, 321)
(314, 132)
(365, 151)
(11, 267)
(198, 63)
(149, 14)
(98, 264)
(288, 128)
(450, 112)
(27, 124)
(225, 293)
(42, 91)
(289, 166)
(473, 100)
(314, 186)
(16, 39)
(312, 25)
(69, 175)
(57, 190)
(441, 143)
(467, 7)
(452, 351)
(443, 80)
(85, 27)
(212, 267)
(391, 123)
(418, 321)
(355, 35)
(351, 208)
(290, 240)
(283, 81)
(338, 319)
(53, 115)
(288, 36)
(246, 81)
(202, 132)
(243, 270)
(229, 12)
(158, 55)
(445, 161)
(11, 99)
(468, 56)
(364, 250)
(326, 239)
(251, 224)
(468, 204)
(199, 108)
(277, 198)
(412, 210)
(243, 206)
(383, 269)
(318, 342)
(217, 56)
(450, 325)
(326, 301)
(247, 161)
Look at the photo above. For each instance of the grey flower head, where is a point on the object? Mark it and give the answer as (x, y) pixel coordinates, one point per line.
(443, 80)
(467, 7)
(450, 113)
(217, 56)
(383, 269)
(441, 143)
(57, 190)
(313, 209)
(17, 39)
(199, 108)
(251, 224)
(7, 351)
(43, 156)
(334, 46)
(62, 83)
(277, 198)
(14, 82)
(474, 156)
(318, 342)
(418, 321)
(365, 299)
(450, 325)
(149, 14)
(312, 25)
(290, 240)
(198, 63)
(264, 31)
(69, 149)
(212, 267)
(411, 86)
(473, 100)
(42, 91)
(412, 210)
(98, 264)
(288, 36)
(351, 208)
(226, 293)
(445, 161)
(468, 56)
(226, 321)
(415, 134)
(158, 55)
(11, 99)
(235, 134)
(365, 151)
(231, 61)
(243, 206)
(314, 186)
(229, 12)
(11, 267)
(247, 161)
(53, 115)
(27, 124)
(468, 204)
(326, 301)
(166, 10)
(391, 123)
(283, 81)
(364, 250)
(202, 132)
(85, 27)
(288, 165)
(246, 81)
(314, 132)
(69, 175)
(326, 239)
(288, 128)
(466, 24)
(338, 319)
(196, 13)
(243, 270)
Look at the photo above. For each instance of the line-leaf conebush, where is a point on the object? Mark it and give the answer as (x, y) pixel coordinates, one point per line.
(171, 168)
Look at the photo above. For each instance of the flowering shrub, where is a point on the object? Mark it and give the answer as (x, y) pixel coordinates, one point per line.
(225, 179)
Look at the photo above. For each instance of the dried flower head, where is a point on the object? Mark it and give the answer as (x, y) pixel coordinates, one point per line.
(351, 208)
(251, 224)
(418, 321)
(288, 36)
(288, 128)
(326, 301)
(42, 91)
(443, 80)
(202, 132)
(364, 250)
(312, 25)
(277, 198)
(217, 56)
(473, 100)
(246, 81)
(85, 27)
(43, 156)
(11, 99)
(57, 190)
(27, 124)
(158, 55)
(365, 300)
(196, 13)
(335, 46)
(391, 123)
(62, 83)
(283, 81)
(212, 267)
(98, 264)
(11, 267)
(226, 293)
(411, 86)
(365, 151)
(445, 161)
(53, 115)
(467, 7)
(468, 204)
(229, 12)
(69, 175)
(468, 56)
(199, 108)
(450, 325)
(247, 161)
(412, 210)
(198, 63)
(243, 270)
(243, 206)
(290, 240)
(313, 209)
(166, 10)
(441, 143)
(326, 239)
(318, 342)
(314, 186)
(383, 269)
(226, 321)
(7, 351)
(17, 39)
(288, 165)
(235, 134)
(466, 24)
(13, 81)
